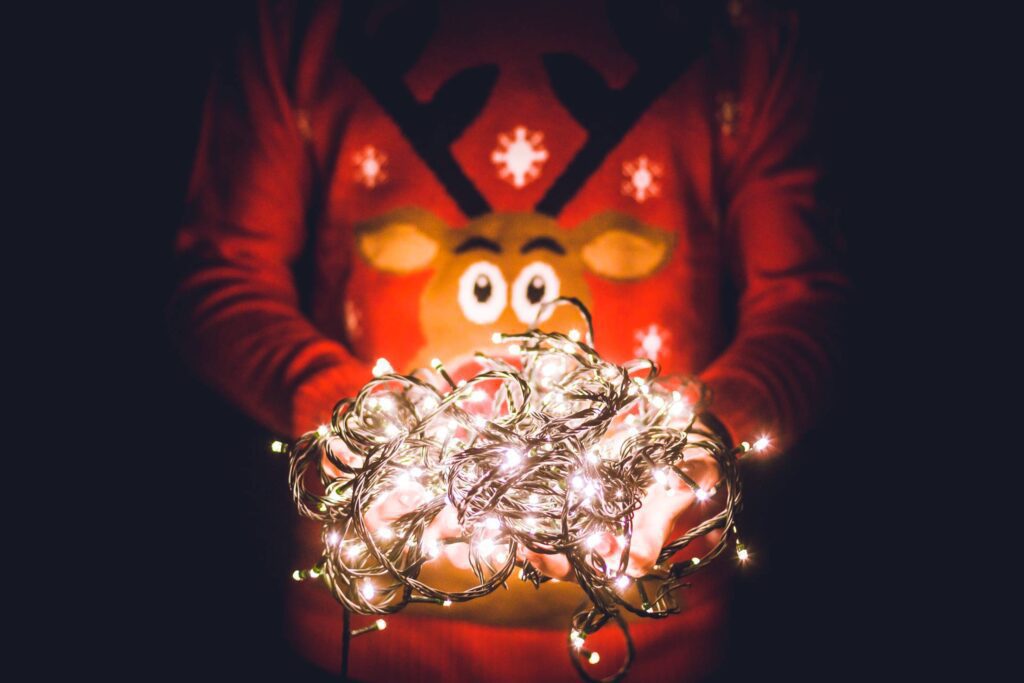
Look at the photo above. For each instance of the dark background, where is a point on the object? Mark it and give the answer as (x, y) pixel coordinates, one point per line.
(201, 515)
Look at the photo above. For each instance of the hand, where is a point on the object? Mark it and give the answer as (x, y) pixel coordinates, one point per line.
(667, 501)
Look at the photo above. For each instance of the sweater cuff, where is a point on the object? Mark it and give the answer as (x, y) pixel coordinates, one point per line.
(314, 400)
(739, 407)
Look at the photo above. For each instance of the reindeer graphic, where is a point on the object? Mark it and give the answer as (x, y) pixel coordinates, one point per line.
(492, 273)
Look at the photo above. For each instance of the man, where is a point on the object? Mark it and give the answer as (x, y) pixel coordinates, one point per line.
(454, 167)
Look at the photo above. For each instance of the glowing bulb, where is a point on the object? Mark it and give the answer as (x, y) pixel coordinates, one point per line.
(534, 498)
(496, 338)
(315, 573)
(385, 533)
(446, 603)
(661, 477)
(332, 538)
(593, 457)
(594, 658)
(382, 367)
(514, 349)
(741, 552)
(622, 582)
(594, 540)
(368, 590)
(485, 547)
(432, 548)
(762, 443)
(352, 552)
(381, 624)
(701, 494)
(478, 395)
(577, 482)
(416, 472)
(513, 458)
(574, 335)
(435, 363)
(297, 575)
(492, 523)
(323, 430)
(589, 490)
(695, 560)
(391, 430)
(278, 447)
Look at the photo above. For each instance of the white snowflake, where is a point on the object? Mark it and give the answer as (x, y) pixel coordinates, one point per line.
(641, 181)
(651, 342)
(519, 157)
(371, 166)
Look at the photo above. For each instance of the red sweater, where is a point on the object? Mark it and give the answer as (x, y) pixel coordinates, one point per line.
(452, 172)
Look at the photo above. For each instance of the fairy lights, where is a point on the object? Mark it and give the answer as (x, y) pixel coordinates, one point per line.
(551, 453)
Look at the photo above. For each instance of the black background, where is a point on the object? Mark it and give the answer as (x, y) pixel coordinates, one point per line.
(196, 548)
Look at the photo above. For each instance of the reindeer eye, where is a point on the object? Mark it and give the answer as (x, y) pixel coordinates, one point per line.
(537, 283)
(482, 288)
(483, 293)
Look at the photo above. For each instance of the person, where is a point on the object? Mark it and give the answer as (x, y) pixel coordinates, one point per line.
(437, 171)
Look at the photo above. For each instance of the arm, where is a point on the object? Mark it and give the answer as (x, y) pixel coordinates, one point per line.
(235, 311)
(775, 376)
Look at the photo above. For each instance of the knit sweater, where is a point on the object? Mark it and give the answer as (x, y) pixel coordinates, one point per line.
(435, 173)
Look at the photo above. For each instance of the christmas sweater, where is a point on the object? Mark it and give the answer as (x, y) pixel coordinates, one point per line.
(436, 171)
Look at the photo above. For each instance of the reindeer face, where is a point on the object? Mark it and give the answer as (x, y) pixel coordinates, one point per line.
(494, 274)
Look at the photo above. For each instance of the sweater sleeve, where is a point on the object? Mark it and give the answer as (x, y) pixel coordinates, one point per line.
(777, 373)
(235, 310)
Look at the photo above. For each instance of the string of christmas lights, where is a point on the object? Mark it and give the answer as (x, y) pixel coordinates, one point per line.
(551, 452)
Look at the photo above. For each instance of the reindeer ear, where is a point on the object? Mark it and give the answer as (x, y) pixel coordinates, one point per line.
(402, 241)
(619, 247)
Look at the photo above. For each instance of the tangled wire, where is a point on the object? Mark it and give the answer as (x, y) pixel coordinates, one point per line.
(551, 454)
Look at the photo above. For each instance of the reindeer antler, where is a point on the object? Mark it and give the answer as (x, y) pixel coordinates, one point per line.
(380, 63)
(664, 39)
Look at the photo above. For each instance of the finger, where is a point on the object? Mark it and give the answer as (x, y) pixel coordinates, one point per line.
(653, 522)
(443, 527)
(701, 467)
(343, 454)
(556, 566)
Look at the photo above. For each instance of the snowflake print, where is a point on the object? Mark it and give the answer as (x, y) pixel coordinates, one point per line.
(651, 342)
(520, 156)
(641, 181)
(371, 166)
